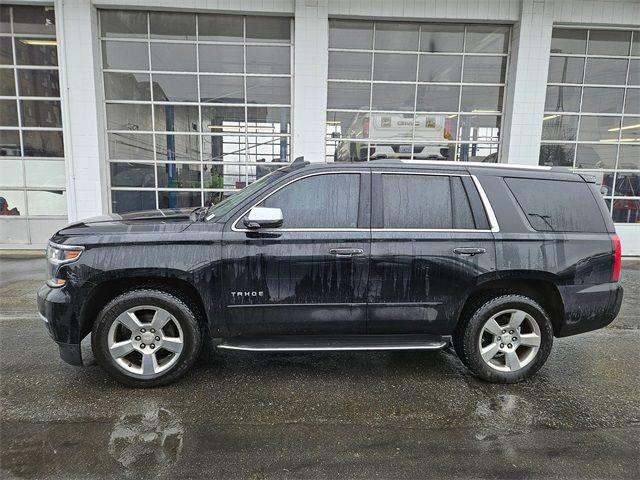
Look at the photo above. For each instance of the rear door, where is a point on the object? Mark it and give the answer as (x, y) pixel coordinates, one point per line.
(431, 240)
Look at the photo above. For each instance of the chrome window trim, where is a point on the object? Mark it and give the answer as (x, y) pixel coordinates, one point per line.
(493, 221)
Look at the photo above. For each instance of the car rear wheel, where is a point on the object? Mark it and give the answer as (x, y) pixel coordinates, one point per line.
(504, 339)
(146, 338)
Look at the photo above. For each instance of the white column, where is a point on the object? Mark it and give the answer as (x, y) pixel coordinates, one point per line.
(311, 42)
(527, 83)
(78, 52)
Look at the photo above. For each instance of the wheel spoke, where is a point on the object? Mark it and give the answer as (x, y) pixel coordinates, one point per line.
(489, 351)
(512, 361)
(173, 344)
(160, 319)
(516, 319)
(530, 340)
(149, 363)
(129, 320)
(492, 327)
(121, 349)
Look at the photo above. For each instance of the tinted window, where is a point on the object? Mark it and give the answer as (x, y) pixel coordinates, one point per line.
(321, 201)
(424, 201)
(562, 206)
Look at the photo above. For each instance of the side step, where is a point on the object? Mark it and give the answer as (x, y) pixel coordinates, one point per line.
(313, 343)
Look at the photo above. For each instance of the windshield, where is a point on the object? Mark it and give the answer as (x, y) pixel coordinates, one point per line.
(229, 203)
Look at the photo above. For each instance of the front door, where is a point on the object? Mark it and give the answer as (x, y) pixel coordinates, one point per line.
(310, 275)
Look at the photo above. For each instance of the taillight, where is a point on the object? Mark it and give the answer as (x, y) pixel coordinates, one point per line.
(365, 127)
(617, 257)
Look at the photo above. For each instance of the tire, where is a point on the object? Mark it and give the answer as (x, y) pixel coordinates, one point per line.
(522, 328)
(127, 322)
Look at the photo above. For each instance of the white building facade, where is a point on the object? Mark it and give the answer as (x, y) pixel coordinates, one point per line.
(115, 106)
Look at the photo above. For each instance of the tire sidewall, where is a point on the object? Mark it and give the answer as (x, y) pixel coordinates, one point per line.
(181, 312)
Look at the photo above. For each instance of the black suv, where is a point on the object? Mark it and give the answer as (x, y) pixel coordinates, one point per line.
(385, 255)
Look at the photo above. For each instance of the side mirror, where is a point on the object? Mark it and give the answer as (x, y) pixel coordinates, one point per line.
(263, 217)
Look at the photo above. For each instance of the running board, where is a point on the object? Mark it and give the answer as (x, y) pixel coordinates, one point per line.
(311, 343)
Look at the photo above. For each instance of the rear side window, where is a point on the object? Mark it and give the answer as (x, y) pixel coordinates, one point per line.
(557, 205)
(425, 202)
(320, 201)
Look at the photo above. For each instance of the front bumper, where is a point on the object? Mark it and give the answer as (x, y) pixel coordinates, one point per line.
(589, 307)
(57, 312)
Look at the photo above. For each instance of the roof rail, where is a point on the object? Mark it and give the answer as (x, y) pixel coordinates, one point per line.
(477, 164)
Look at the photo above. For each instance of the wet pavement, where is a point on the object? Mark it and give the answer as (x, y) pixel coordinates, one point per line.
(324, 415)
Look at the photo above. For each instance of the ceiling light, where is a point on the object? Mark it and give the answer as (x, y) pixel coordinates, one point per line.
(624, 128)
(550, 117)
(39, 41)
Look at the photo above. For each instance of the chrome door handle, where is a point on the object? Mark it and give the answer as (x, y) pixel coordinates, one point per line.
(346, 252)
(469, 251)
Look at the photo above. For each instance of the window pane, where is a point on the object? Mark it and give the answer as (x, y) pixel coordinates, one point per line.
(602, 100)
(629, 157)
(565, 70)
(562, 99)
(7, 82)
(33, 52)
(128, 117)
(484, 69)
(268, 90)
(126, 86)
(441, 38)
(118, 23)
(267, 149)
(479, 127)
(627, 184)
(268, 29)
(38, 113)
(42, 143)
(632, 102)
(557, 155)
(347, 124)
(269, 119)
(221, 89)
(9, 143)
(349, 95)
(179, 175)
(440, 68)
(44, 173)
(127, 201)
(5, 19)
(227, 176)
(176, 118)
(228, 148)
(462, 216)
(223, 119)
(599, 128)
(6, 51)
(559, 127)
(393, 66)
(609, 42)
(630, 130)
(179, 199)
(38, 83)
(477, 152)
(322, 201)
(487, 38)
(482, 99)
(268, 59)
(220, 28)
(132, 175)
(350, 34)
(174, 57)
(175, 88)
(176, 26)
(8, 113)
(221, 58)
(568, 40)
(606, 71)
(393, 97)
(626, 210)
(634, 72)
(416, 201)
(15, 203)
(11, 173)
(125, 55)
(178, 147)
(130, 146)
(40, 20)
(52, 202)
(396, 36)
(593, 156)
(350, 65)
(438, 98)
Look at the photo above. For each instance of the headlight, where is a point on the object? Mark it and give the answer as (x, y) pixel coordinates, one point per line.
(59, 255)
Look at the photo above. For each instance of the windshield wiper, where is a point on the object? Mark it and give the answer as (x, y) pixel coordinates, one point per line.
(544, 219)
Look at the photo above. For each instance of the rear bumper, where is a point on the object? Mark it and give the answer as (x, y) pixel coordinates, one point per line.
(589, 308)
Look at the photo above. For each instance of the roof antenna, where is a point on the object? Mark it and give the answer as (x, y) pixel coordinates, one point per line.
(298, 160)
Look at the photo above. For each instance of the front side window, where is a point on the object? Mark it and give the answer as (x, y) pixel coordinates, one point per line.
(425, 202)
(320, 201)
